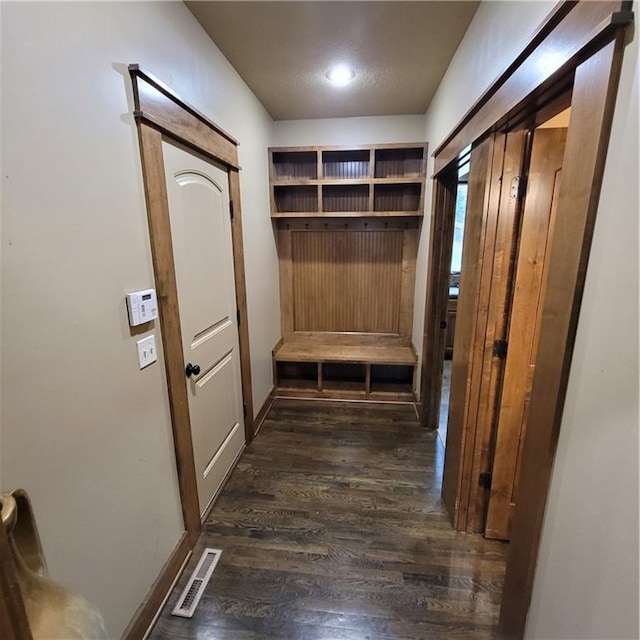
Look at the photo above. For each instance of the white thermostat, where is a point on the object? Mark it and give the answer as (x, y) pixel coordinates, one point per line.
(142, 306)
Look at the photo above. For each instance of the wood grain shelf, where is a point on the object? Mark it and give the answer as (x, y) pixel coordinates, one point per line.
(399, 162)
(357, 354)
(346, 163)
(346, 214)
(294, 164)
(288, 182)
(347, 222)
(295, 198)
(345, 197)
(362, 181)
(397, 197)
(309, 367)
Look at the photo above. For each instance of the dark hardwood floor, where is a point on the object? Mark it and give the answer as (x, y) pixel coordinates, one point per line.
(332, 528)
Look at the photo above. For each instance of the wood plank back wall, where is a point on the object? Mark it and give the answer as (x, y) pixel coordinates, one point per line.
(348, 280)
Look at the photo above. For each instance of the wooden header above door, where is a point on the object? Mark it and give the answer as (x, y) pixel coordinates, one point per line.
(157, 105)
(572, 32)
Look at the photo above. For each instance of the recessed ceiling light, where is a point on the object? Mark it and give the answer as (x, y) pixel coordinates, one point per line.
(340, 75)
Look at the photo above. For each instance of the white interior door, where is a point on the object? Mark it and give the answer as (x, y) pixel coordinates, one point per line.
(198, 194)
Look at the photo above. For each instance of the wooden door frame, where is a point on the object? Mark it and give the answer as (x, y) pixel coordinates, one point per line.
(445, 186)
(484, 298)
(588, 37)
(161, 115)
(485, 157)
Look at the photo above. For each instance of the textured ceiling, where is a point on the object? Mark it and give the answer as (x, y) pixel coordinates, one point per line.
(399, 51)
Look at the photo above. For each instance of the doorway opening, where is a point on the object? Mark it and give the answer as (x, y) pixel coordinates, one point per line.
(502, 129)
(462, 185)
(510, 192)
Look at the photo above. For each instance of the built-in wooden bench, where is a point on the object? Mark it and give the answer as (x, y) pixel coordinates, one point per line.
(345, 366)
(347, 224)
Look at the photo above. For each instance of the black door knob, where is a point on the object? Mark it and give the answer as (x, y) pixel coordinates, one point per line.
(192, 370)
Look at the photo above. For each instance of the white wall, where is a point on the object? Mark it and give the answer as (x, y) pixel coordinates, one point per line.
(83, 429)
(348, 131)
(88, 434)
(586, 584)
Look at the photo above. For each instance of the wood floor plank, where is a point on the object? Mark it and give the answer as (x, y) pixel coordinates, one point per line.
(332, 527)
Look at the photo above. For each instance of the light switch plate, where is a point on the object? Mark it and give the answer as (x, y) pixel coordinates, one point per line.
(147, 351)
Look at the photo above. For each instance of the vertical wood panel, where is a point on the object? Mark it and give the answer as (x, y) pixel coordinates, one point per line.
(442, 223)
(293, 165)
(337, 198)
(397, 197)
(347, 280)
(407, 289)
(498, 271)
(286, 281)
(346, 164)
(546, 161)
(295, 199)
(241, 301)
(399, 163)
(486, 162)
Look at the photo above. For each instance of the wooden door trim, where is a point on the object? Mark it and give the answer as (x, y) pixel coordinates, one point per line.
(592, 109)
(433, 342)
(485, 156)
(571, 31)
(241, 302)
(159, 106)
(167, 293)
(589, 36)
(160, 115)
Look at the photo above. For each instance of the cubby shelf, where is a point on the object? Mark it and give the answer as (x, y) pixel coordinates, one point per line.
(308, 367)
(347, 222)
(343, 182)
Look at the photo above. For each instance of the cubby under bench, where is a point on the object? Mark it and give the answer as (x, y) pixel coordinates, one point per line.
(344, 367)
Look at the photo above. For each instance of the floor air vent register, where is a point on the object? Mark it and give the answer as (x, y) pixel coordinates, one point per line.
(190, 596)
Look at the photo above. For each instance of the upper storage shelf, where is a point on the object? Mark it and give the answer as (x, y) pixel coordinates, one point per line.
(372, 181)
